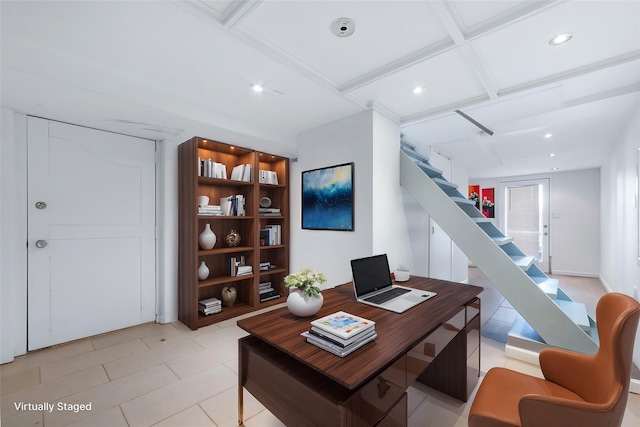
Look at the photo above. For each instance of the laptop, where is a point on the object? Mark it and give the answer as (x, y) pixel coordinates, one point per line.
(372, 285)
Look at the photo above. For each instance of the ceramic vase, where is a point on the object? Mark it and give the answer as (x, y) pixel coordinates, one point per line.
(203, 271)
(229, 295)
(302, 305)
(207, 238)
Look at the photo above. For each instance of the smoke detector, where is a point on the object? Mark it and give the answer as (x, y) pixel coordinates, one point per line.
(343, 27)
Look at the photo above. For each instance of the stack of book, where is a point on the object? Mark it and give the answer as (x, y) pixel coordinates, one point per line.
(267, 292)
(341, 333)
(269, 211)
(211, 210)
(209, 306)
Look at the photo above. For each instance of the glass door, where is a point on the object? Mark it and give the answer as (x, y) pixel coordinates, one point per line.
(525, 217)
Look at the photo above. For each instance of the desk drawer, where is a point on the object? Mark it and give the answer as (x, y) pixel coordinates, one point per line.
(421, 356)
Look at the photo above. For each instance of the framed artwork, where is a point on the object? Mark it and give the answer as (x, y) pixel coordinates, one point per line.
(327, 198)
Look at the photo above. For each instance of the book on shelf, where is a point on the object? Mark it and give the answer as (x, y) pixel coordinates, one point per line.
(233, 205)
(337, 349)
(269, 295)
(271, 235)
(265, 285)
(266, 266)
(210, 306)
(213, 210)
(267, 177)
(241, 172)
(243, 270)
(210, 169)
(269, 211)
(342, 325)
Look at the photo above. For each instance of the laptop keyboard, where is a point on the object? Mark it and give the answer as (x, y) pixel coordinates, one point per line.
(386, 296)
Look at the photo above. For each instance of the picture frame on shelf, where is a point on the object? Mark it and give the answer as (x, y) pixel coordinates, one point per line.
(328, 198)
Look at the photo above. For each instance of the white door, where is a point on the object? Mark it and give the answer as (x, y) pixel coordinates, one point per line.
(525, 217)
(440, 245)
(91, 232)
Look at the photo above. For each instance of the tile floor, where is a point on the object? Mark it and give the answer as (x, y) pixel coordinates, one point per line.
(153, 375)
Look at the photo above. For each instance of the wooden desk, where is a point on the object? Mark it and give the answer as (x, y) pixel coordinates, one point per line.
(304, 385)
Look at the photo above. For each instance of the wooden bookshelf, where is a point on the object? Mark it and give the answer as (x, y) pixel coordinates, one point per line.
(191, 185)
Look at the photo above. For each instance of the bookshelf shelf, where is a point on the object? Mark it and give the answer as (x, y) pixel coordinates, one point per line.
(197, 159)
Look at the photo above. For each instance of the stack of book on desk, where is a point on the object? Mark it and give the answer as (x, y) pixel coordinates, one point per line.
(209, 306)
(340, 333)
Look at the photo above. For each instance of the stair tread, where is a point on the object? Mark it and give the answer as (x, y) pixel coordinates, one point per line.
(444, 183)
(501, 240)
(547, 285)
(429, 170)
(463, 201)
(522, 261)
(576, 311)
(415, 155)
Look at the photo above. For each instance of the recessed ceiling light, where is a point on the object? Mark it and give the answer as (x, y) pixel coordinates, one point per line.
(552, 154)
(257, 87)
(548, 135)
(417, 90)
(554, 169)
(560, 39)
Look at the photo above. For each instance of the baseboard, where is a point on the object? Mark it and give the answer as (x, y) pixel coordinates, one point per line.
(521, 354)
(634, 386)
(574, 273)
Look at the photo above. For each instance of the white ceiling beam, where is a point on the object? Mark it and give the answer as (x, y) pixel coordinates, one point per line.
(238, 11)
(395, 66)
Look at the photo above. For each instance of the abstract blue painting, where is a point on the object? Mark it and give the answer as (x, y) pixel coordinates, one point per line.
(327, 198)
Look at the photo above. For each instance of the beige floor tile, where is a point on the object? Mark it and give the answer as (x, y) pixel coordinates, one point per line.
(19, 380)
(223, 408)
(169, 336)
(140, 361)
(55, 390)
(264, 419)
(66, 366)
(524, 367)
(112, 417)
(190, 417)
(129, 334)
(632, 414)
(215, 338)
(162, 403)
(415, 396)
(48, 355)
(192, 364)
(113, 393)
(23, 419)
(232, 365)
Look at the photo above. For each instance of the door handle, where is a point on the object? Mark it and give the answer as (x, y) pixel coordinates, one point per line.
(41, 243)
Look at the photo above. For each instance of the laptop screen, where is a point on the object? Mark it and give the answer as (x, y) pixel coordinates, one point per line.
(370, 274)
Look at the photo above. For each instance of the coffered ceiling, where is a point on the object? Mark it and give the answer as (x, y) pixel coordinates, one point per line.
(172, 69)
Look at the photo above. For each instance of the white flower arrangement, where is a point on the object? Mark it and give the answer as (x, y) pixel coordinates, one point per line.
(306, 280)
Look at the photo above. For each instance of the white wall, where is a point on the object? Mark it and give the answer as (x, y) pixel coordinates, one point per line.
(575, 222)
(371, 141)
(619, 262)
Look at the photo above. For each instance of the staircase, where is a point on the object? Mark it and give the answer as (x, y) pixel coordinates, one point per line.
(547, 316)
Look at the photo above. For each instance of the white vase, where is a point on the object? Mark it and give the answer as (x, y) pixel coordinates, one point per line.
(207, 238)
(302, 305)
(203, 271)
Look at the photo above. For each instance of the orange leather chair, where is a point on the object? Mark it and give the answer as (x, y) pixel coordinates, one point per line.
(577, 390)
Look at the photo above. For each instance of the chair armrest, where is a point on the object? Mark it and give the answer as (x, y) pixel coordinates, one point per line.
(549, 411)
(568, 369)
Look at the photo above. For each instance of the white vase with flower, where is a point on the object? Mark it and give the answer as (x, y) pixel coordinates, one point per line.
(305, 298)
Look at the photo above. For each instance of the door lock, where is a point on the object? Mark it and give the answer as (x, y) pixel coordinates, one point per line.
(41, 244)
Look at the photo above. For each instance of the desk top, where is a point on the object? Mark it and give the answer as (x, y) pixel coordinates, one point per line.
(397, 332)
